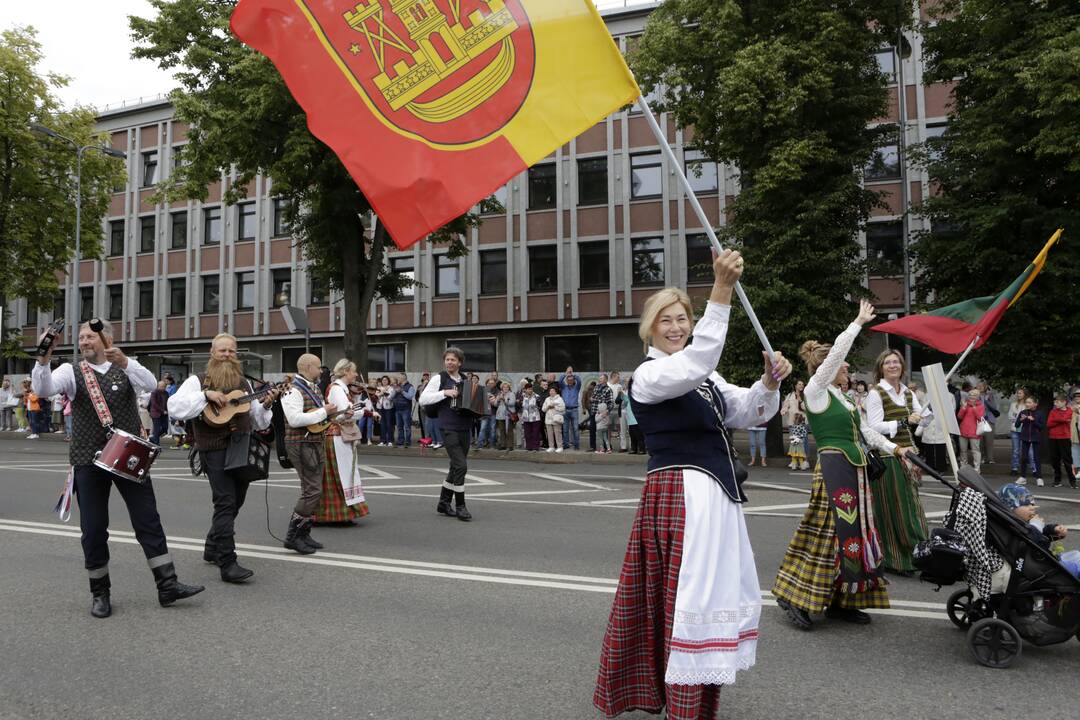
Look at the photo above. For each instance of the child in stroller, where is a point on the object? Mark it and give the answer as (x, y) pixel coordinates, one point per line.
(1022, 502)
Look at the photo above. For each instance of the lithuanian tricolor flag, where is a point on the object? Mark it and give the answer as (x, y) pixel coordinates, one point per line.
(952, 329)
(434, 104)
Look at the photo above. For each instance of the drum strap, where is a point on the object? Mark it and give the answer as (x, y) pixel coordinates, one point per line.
(97, 398)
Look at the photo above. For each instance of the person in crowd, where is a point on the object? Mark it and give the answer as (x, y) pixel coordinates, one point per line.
(685, 616)
(991, 413)
(32, 402)
(757, 444)
(1074, 432)
(506, 416)
(159, 412)
(1015, 408)
(1030, 423)
(369, 417)
(22, 419)
(618, 425)
(103, 390)
(833, 563)
(933, 441)
(170, 384)
(794, 415)
(325, 378)
(224, 373)
(387, 415)
(454, 424)
(637, 438)
(569, 389)
(8, 402)
(488, 432)
(603, 428)
(1058, 424)
(893, 411)
(555, 415)
(421, 417)
(57, 414)
(588, 418)
(66, 412)
(304, 407)
(342, 499)
(860, 397)
(404, 395)
(531, 420)
(601, 393)
(1022, 503)
(969, 415)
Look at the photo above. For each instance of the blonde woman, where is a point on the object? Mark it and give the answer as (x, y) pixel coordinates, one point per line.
(342, 492)
(685, 616)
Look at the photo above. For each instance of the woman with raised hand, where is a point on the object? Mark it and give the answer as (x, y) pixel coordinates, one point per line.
(833, 563)
(685, 616)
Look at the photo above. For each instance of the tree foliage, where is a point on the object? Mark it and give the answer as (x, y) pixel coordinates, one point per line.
(37, 176)
(242, 117)
(1008, 168)
(784, 92)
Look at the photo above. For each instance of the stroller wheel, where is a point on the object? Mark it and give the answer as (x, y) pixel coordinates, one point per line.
(961, 608)
(994, 643)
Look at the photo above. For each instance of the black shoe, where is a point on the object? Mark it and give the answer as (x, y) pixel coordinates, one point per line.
(445, 508)
(1057, 483)
(305, 533)
(798, 617)
(463, 513)
(210, 554)
(233, 572)
(849, 615)
(100, 605)
(169, 589)
(294, 540)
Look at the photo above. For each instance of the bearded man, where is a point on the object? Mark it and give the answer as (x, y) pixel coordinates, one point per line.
(224, 373)
(113, 378)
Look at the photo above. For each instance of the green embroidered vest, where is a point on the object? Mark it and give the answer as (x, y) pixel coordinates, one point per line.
(837, 428)
(897, 412)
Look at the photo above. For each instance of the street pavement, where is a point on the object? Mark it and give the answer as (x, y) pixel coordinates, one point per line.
(412, 615)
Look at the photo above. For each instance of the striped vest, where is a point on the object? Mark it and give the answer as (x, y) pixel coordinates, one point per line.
(897, 412)
(312, 402)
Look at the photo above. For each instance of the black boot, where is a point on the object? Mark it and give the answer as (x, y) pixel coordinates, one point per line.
(798, 617)
(444, 507)
(169, 589)
(233, 572)
(850, 615)
(463, 512)
(294, 540)
(305, 531)
(100, 606)
(210, 553)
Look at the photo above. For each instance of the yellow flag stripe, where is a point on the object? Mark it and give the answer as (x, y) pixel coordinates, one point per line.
(1038, 263)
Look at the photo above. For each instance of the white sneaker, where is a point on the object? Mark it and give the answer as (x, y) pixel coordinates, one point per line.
(1039, 482)
(558, 449)
(436, 446)
(1021, 481)
(804, 466)
(32, 436)
(551, 449)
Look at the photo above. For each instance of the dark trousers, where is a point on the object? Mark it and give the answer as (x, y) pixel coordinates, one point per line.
(228, 495)
(1061, 454)
(637, 439)
(1030, 451)
(309, 459)
(457, 447)
(160, 427)
(533, 433)
(92, 487)
(592, 431)
(936, 456)
(386, 425)
(404, 427)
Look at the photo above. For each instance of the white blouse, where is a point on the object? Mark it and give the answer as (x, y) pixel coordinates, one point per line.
(875, 413)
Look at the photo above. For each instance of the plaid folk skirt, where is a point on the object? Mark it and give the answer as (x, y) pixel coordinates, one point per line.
(899, 515)
(332, 506)
(638, 643)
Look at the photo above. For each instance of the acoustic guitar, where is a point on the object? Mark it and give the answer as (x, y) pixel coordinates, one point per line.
(316, 428)
(238, 402)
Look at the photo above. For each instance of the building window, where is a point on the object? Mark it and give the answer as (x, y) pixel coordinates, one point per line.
(405, 266)
(60, 305)
(211, 293)
(146, 299)
(212, 226)
(386, 358)
(934, 143)
(281, 225)
(177, 296)
(580, 351)
(698, 258)
(86, 303)
(542, 187)
(31, 316)
(884, 164)
(147, 228)
(282, 283)
(593, 269)
(247, 221)
(701, 172)
(646, 175)
(447, 276)
(245, 290)
(116, 238)
(116, 302)
(178, 240)
(884, 249)
(149, 168)
(647, 260)
(177, 157)
(543, 268)
(320, 294)
(493, 272)
(886, 62)
(495, 204)
(480, 355)
(592, 181)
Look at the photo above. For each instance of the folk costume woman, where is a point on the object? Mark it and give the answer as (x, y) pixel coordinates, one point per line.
(794, 415)
(685, 616)
(342, 492)
(832, 564)
(893, 410)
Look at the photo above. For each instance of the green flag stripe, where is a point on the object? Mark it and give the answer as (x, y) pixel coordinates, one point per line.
(970, 311)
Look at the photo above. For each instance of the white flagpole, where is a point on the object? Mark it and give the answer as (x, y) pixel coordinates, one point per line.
(961, 359)
(700, 212)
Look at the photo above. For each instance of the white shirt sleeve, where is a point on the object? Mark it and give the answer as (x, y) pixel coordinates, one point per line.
(432, 394)
(261, 416)
(672, 376)
(338, 398)
(46, 382)
(293, 406)
(816, 392)
(875, 439)
(875, 415)
(748, 407)
(141, 379)
(188, 401)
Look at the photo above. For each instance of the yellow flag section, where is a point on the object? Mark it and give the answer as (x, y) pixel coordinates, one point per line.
(580, 78)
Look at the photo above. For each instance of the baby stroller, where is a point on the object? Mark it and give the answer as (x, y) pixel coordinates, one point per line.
(1016, 590)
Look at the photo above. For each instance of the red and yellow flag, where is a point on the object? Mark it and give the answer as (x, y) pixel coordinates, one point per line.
(434, 104)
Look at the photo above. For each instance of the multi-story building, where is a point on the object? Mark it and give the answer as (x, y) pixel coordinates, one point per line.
(557, 278)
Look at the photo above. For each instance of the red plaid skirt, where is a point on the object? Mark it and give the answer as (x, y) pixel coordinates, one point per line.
(332, 506)
(637, 642)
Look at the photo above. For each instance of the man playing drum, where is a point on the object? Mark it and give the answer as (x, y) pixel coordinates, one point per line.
(113, 379)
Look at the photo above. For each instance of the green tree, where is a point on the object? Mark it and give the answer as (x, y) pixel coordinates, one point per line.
(37, 178)
(243, 117)
(784, 92)
(1008, 169)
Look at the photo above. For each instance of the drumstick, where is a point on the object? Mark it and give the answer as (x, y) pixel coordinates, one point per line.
(98, 326)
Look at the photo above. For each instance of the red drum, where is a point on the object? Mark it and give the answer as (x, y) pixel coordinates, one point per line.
(128, 456)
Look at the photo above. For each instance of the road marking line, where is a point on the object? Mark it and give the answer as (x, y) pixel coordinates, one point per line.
(775, 486)
(377, 473)
(616, 502)
(764, 508)
(559, 478)
(481, 481)
(527, 492)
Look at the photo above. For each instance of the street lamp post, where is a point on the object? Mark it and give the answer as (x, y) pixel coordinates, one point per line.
(79, 150)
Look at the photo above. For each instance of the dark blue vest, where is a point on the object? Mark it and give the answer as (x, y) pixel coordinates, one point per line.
(449, 418)
(688, 432)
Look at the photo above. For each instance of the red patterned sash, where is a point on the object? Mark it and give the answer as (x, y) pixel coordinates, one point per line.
(97, 398)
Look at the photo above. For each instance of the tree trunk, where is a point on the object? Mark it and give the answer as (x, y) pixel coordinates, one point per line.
(360, 282)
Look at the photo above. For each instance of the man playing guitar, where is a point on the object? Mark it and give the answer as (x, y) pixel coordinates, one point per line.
(224, 374)
(112, 379)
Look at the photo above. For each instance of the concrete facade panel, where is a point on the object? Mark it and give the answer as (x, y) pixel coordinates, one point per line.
(116, 204)
(890, 196)
(543, 307)
(593, 140)
(211, 258)
(177, 261)
(593, 304)
(86, 271)
(939, 99)
(493, 229)
(174, 326)
(245, 255)
(277, 324)
(401, 315)
(444, 312)
(144, 266)
(209, 325)
(593, 221)
(148, 137)
(114, 269)
(146, 203)
(144, 330)
(712, 212)
(541, 225)
(646, 217)
(492, 309)
(280, 251)
(319, 319)
(243, 324)
(887, 292)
